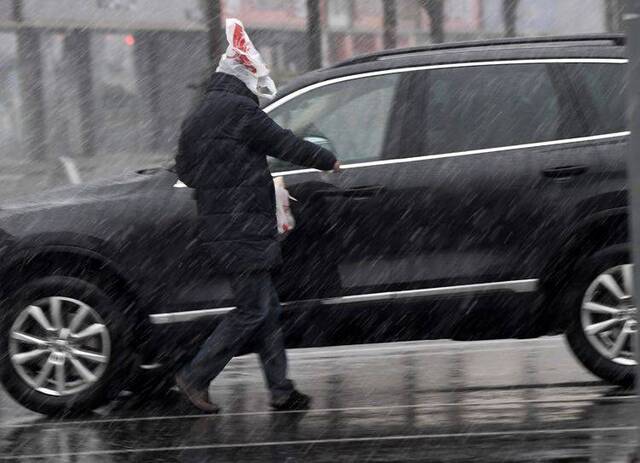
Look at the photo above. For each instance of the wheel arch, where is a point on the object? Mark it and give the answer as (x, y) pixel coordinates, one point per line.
(599, 231)
(80, 256)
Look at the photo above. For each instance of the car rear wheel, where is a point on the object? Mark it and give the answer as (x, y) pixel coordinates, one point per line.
(66, 346)
(602, 327)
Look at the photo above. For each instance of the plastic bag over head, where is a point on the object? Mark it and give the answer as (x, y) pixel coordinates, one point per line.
(243, 61)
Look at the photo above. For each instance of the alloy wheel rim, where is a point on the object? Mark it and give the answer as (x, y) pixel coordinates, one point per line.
(59, 346)
(608, 314)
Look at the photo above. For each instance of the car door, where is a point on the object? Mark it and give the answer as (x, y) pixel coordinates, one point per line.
(346, 221)
(481, 222)
(599, 170)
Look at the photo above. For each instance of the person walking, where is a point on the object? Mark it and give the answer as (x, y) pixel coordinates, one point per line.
(222, 154)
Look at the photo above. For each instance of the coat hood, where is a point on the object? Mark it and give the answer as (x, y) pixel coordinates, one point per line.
(221, 82)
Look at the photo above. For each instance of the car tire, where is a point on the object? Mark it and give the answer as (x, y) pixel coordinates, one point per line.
(600, 338)
(84, 342)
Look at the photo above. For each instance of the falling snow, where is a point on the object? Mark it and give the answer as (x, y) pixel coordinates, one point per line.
(456, 288)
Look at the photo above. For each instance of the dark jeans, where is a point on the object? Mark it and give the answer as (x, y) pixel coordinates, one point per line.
(256, 320)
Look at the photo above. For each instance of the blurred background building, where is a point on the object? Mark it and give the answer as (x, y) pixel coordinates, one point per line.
(107, 82)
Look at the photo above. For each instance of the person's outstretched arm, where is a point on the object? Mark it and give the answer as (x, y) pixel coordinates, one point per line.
(267, 136)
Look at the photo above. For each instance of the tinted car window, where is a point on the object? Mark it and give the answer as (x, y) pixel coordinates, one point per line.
(600, 90)
(353, 116)
(491, 106)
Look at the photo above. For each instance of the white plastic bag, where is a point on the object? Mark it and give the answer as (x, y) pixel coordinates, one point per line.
(286, 221)
(243, 61)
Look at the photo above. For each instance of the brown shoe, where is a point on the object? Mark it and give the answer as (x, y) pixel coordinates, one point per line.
(199, 399)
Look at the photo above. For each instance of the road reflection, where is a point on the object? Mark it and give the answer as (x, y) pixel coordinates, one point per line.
(450, 417)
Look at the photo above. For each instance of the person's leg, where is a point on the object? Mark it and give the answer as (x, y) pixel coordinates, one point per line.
(252, 297)
(270, 347)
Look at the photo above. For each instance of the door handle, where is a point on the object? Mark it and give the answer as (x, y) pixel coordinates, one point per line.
(564, 171)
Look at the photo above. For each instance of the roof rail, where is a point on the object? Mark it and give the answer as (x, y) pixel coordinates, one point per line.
(615, 39)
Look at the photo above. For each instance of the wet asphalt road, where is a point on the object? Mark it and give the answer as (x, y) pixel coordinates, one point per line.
(491, 401)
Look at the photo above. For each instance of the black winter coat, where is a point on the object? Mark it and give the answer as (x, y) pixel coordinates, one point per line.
(222, 153)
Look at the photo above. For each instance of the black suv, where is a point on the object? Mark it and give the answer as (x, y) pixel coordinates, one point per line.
(479, 179)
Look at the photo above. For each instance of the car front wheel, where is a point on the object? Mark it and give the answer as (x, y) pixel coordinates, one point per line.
(603, 325)
(65, 345)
